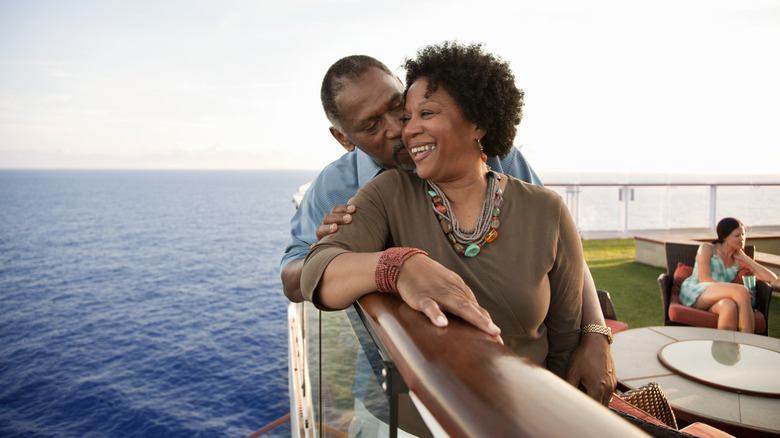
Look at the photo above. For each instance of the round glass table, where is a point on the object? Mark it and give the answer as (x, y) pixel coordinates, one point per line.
(741, 406)
(725, 365)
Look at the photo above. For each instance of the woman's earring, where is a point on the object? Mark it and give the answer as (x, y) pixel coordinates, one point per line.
(484, 156)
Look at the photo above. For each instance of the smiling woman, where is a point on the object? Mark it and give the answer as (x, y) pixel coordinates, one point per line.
(441, 224)
(438, 136)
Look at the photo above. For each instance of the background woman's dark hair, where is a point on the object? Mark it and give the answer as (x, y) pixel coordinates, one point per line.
(481, 83)
(725, 227)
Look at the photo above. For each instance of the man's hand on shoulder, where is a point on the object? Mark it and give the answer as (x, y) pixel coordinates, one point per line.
(339, 215)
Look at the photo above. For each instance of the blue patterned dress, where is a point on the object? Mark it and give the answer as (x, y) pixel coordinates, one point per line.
(691, 288)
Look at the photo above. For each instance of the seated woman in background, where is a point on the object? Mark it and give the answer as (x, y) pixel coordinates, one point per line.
(710, 286)
(500, 253)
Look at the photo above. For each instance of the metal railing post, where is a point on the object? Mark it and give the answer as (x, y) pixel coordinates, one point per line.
(713, 205)
(393, 385)
(572, 201)
(624, 196)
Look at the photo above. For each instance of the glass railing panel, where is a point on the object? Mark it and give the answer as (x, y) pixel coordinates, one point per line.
(372, 403)
(345, 368)
(600, 208)
(624, 207)
(659, 207)
(561, 190)
(753, 205)
(311, 330)
(339, 350)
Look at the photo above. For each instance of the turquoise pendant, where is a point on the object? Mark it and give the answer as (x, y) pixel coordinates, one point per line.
(472, 250)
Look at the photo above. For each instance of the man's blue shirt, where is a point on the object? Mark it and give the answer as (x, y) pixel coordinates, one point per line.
(340, 180)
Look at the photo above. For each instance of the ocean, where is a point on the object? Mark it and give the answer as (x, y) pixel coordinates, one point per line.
(148, 303)
(143, 303)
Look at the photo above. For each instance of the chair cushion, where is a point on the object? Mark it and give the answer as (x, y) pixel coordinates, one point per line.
(702, 318)
(682, 272)
(616, 326)
(704, 430)
(692, 316)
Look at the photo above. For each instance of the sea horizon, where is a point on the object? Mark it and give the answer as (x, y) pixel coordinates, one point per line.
(547, 176)
(595, 199)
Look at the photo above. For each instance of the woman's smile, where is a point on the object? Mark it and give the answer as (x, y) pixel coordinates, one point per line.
(420, 152)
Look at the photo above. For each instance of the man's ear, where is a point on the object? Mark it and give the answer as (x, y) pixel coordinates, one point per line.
(343, 140)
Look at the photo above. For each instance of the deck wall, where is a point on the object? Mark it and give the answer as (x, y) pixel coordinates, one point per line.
(650, 245)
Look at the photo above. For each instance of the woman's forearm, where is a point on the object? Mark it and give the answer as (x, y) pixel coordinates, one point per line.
(348, 277)
(761, 272)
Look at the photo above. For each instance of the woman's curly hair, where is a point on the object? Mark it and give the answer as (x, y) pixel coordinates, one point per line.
(481, 83)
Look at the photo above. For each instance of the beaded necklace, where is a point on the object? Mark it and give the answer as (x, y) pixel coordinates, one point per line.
(469, 242)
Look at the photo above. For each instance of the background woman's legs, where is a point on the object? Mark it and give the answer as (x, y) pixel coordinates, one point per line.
(740, 295)
(728, 314)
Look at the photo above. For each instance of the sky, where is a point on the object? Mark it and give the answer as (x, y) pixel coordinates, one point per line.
(664, 86)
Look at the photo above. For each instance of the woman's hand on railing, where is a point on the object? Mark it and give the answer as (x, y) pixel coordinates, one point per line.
(428, 287)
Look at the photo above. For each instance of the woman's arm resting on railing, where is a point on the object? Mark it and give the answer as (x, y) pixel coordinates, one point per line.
(348, 277)
(424, 284)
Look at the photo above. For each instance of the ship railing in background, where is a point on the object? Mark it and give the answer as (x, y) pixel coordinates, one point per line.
(620, 210)
(462, 382)
(616, 210)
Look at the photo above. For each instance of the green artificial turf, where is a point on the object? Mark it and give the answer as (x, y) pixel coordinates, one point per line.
(634, 286)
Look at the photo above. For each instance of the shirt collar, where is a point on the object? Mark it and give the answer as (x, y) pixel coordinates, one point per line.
(367, 169)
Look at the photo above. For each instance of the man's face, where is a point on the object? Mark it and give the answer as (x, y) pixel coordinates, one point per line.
(370, 110)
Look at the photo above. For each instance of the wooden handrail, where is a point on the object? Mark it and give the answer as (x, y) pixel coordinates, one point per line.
(475, 387)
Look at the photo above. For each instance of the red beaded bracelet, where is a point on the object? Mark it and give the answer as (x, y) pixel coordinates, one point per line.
(389, 266)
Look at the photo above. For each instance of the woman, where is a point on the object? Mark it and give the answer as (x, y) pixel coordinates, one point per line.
(504, 255)
(710, 285)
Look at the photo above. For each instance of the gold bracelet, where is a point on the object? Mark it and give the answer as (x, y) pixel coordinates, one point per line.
(595, 328)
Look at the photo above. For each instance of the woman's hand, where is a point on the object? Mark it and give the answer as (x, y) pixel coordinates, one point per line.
(739, 255)
(427, 286)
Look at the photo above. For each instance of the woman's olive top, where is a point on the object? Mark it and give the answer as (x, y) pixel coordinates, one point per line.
(529, 279)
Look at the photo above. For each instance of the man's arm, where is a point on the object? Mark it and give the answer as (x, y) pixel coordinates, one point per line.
(591, 363)
(291, 272)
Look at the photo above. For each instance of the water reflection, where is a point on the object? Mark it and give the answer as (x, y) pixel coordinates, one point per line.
(726, 353)
(731, 366)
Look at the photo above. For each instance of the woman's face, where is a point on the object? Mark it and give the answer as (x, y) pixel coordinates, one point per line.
(737, 238)
(442, 143)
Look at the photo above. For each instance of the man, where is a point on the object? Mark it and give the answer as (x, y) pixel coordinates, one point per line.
(363, 100)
